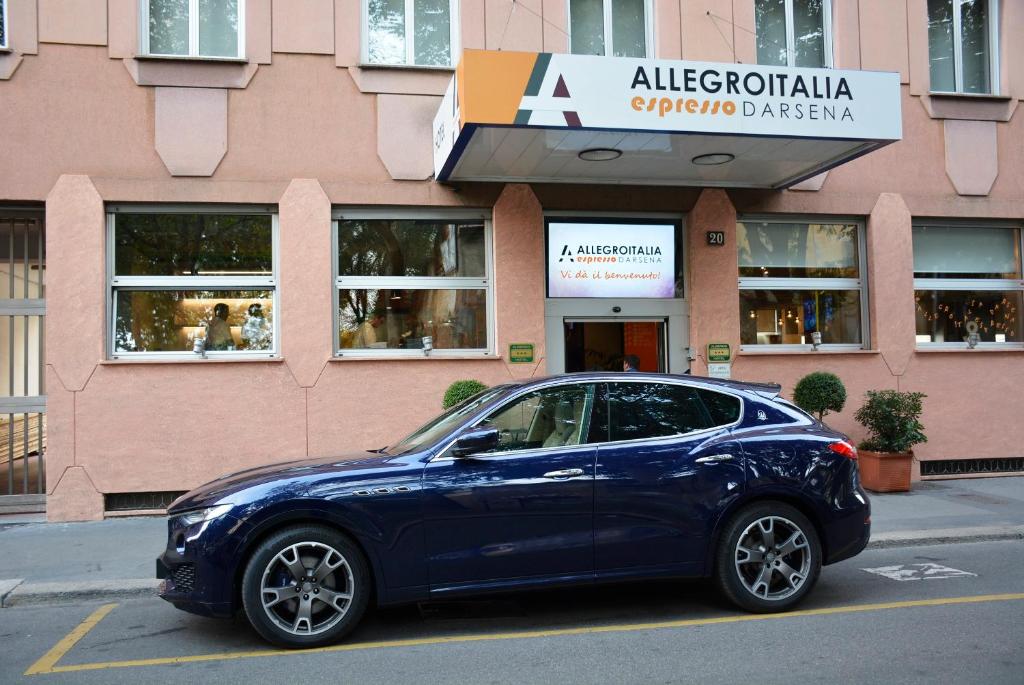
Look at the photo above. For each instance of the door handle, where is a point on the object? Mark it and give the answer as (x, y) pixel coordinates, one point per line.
(564, 473)
(714, 458)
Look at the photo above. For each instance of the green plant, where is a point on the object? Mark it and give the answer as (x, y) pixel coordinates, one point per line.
(820, 393)
(893, 420)
(460, 391)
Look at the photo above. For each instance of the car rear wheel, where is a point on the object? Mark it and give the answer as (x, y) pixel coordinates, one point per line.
(305, 586)
(769, 558)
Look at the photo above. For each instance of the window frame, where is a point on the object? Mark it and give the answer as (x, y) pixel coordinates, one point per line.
(454, 27)
(5, 44)
(826, 29)
(115, 283)
(606, 7)
(958, 52)
(860, 283)
(971, 284)
(486, 282)
(193, 35)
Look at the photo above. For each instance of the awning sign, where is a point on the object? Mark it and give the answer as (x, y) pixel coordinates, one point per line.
(611, 260)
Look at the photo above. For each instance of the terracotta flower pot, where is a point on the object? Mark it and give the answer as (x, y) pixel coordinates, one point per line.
(885, 471)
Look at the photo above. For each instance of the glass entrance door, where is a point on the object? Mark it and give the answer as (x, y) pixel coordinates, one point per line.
(600, 344)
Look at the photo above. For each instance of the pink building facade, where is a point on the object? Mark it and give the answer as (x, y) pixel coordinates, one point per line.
(293, 172)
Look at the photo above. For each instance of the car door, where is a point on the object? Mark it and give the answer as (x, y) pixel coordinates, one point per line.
(524, 509)
(667, 466)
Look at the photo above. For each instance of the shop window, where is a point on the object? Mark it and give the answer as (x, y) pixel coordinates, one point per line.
(801, 284)
(192, 28)
(616, 28)
(794, 33)
(191, 285)
(413, 286)
(968, 279)
(3, 25)
(422, 33)
(962, 46)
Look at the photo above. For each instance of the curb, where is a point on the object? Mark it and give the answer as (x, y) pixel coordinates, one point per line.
(912, 538)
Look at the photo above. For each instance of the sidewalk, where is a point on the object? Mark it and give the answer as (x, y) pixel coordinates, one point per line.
(50, 562)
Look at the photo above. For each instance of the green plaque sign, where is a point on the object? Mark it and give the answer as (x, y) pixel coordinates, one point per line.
(520, 353)
(719, 352)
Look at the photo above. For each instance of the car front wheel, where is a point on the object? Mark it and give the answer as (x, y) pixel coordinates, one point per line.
(305, 586)
(769, 558)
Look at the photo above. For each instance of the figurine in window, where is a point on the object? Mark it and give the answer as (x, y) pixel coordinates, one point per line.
(218, 332)
(256, 331)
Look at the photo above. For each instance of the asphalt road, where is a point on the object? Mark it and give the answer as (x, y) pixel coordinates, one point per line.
(960, 625)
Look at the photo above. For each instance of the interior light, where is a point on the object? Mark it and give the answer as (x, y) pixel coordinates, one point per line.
(713, 159)
(600, 154)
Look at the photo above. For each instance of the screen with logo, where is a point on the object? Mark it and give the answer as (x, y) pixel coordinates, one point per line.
(605, 259)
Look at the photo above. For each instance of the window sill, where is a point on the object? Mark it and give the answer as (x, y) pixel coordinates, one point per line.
(192, 360)
(964, 349)
(785, 353)
(969, 106)
(407, 67)
(970, 96)
(415, 358)
(192, 59)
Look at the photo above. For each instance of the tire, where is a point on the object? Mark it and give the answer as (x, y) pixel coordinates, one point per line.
(332, 578)
(752, 567)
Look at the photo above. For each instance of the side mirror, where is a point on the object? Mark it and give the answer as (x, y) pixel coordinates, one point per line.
(475, 440)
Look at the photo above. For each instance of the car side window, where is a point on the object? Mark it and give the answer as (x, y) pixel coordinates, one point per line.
(724, 409)
(654, 410)
(550, 417)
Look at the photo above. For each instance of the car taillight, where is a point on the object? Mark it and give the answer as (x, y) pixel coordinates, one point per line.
(844, 448)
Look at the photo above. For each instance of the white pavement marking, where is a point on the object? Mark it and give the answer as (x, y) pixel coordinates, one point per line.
(926, 571)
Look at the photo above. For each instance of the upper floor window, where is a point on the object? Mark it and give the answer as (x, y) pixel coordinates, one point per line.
(178, 278)
(616, 28)
(801, 282)
(422, 33)
(3, 25)
(192, 28)
(962, 46)
(794, 33)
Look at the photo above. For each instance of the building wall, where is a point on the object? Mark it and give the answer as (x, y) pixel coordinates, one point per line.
(302, 126)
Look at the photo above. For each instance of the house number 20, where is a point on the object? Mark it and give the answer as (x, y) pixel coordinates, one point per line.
(716, 237)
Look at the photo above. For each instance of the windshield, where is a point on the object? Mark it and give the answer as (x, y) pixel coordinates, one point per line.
(438, 427)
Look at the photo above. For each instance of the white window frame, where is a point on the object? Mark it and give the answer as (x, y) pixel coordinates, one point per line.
(606, 6)
(826, 21)
(995, 284)
(115, 283)
(193, 34)
(415, 282)
(859, 284)
(6, 44)
(958, 51)
(410, 38)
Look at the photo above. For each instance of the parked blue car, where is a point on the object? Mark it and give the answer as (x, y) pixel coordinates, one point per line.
(571, 479)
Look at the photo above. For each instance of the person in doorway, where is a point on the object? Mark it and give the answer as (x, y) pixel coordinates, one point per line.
(631, 363)
(218, 332)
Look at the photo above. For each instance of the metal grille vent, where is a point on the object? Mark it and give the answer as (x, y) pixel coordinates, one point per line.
(184, 577)
(132, 501)
(963, 467)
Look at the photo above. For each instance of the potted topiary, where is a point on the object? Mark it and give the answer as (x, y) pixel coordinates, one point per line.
(819, 393)
(460, 391)
(893, 421)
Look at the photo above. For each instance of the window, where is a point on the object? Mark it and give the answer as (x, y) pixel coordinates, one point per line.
(413, 286)
(422, 33)
(962, 46)
(193, 28)
(967, 277)
(3, 25)
(550, 417)
(616, 28)
(795, 33)
(181, 277)
(798, 279)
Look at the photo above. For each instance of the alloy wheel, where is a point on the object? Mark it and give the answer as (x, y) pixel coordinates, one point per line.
(307, 588)
(773, 558)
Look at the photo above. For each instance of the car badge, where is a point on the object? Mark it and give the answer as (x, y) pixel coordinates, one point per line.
(761, 416)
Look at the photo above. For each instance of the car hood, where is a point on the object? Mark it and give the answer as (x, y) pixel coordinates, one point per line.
(258, 480)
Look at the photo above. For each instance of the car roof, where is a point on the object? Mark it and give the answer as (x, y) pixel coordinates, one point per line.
(765, 390)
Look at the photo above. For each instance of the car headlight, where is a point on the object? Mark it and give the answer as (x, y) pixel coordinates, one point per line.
(190, 518)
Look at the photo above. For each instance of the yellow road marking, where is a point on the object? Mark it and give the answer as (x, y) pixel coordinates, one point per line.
(47, 662)
(49, 665)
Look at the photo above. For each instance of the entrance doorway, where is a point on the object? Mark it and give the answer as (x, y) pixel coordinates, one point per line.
(601, 344)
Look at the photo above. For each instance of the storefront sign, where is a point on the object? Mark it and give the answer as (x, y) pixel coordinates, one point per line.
(719, 352)
(520, 353)
(723, 371)
(611, 260)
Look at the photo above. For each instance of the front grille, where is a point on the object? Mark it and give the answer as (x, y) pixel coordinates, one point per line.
(964, 467)
(184, 577)
(136, 501)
